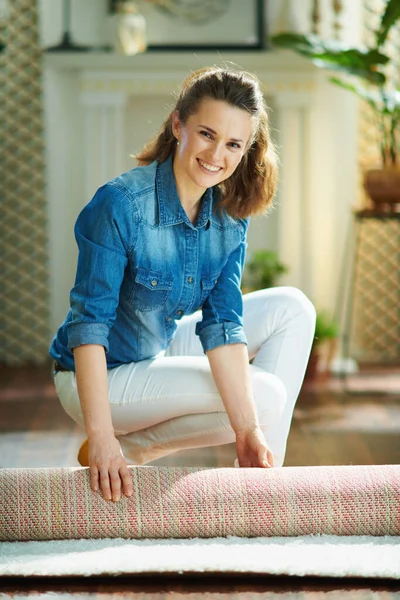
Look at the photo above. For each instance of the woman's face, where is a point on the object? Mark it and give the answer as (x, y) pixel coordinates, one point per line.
(211, 144)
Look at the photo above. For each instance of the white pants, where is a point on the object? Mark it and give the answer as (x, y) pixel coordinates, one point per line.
(171, 402)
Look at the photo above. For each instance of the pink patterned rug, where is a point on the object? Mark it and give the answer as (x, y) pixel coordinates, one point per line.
(192, 502)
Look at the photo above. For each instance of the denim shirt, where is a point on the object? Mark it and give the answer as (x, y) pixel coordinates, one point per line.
(143, 265)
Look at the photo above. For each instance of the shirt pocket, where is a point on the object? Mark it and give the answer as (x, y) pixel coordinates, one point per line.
(150, 290)
(208, 283)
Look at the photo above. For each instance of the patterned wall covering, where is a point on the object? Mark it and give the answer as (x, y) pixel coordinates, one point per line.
(23, 227)
(376, 334)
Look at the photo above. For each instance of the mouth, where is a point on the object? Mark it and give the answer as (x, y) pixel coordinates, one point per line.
(208, 168)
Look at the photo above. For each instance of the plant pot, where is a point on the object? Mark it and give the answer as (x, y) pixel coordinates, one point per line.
(383, 187)
(312, 367)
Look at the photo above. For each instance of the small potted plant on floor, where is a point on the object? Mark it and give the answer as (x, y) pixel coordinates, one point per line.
(262, 270)
(326, 332)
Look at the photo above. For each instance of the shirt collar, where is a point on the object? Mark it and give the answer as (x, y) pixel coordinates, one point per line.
(170, 209)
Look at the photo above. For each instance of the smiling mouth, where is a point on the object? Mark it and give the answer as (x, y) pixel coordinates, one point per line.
(207, 167)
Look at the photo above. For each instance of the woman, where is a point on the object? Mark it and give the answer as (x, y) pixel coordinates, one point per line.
(153, 356)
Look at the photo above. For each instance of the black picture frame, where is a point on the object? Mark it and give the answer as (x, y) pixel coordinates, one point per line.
(260, 34)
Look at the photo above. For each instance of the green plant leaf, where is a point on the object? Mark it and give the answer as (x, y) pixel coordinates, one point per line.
(365, 64)
(264, 268)
(297, 41)
(330, 50)
(353, 58)
(335, 56)
(371, 76)
(389, 18)
(326, 328)
(372, 97)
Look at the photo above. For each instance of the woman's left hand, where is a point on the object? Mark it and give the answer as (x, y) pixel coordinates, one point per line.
(252, 450)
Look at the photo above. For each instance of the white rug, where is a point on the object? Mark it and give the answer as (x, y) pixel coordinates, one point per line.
(318, 555)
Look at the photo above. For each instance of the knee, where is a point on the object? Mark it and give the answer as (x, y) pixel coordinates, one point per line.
(269, 395)
(297, 302)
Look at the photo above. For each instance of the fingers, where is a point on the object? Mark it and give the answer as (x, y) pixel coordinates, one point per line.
(108, 469)
(115, 486)
(126, 481)
(252, 450)
(266, 458)
(94, 479)
(105, 484)
(111, 482)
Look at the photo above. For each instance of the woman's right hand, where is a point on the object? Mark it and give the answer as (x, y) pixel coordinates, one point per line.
(252, 449)
(108, 469)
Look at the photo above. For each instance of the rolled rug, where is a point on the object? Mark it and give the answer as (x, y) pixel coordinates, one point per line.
(193, 502)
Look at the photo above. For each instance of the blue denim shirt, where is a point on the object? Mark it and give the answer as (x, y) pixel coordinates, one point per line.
(143, 265)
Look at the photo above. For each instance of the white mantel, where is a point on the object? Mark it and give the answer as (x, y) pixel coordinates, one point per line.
(102, 106)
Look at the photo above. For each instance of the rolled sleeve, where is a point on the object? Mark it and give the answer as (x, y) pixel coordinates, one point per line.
(88, 333)
(222, 311)
(101, 232)
(220, 334)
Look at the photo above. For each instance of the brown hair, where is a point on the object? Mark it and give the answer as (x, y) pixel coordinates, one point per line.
(250, 189)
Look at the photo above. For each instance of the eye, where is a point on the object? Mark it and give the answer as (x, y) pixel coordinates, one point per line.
(206, 134)
(235, 145)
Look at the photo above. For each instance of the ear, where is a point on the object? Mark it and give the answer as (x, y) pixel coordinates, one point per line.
(176, 124)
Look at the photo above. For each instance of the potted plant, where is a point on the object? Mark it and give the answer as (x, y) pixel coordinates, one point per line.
(262, 270)
(378, 88)
(326, 332)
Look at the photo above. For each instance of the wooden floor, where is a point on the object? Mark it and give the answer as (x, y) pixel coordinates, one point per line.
(331, 426)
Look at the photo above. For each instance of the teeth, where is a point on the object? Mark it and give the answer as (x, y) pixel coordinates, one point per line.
(208, 167)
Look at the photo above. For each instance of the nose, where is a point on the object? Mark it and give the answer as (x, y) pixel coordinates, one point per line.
(216, 153)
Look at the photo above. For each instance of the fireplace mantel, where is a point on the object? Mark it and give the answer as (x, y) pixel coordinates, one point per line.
(282, 61)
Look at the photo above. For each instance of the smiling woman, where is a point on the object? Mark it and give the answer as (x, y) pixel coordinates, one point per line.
(153, 356)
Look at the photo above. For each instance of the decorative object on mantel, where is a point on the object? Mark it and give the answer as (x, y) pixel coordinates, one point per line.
(286, 18)
(130, 31)
(67, 45)
(380, 74)
(188, 25)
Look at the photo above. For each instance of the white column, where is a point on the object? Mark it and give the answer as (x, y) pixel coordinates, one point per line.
(293, 208)
(103, 137)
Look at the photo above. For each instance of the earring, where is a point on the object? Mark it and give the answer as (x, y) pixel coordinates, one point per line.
(177, 143)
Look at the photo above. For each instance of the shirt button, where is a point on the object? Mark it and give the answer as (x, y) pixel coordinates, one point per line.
(190, 279)
(154, 282)
(179, 312)
(169, 319)
(169, 341)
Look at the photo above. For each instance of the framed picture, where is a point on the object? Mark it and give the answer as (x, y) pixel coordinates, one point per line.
(176, 25)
